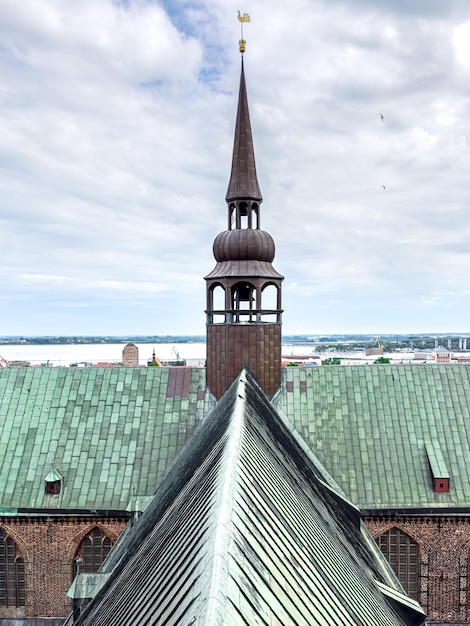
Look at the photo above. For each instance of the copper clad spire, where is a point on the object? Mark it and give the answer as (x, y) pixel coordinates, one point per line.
(243, 184)
(243, 291)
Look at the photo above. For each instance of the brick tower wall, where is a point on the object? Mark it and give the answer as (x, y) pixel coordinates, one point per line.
(231, 347)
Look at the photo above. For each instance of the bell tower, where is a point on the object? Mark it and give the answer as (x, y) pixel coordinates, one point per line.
(243, 304)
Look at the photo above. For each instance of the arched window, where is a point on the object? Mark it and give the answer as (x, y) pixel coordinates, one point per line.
(403, 555)
(12, 583)
(270, 303)
(93, 550)
(244, 302)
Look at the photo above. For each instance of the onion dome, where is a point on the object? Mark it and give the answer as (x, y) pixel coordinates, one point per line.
(244, 245)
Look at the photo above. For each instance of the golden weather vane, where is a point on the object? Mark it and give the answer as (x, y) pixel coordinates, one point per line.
(243, 18)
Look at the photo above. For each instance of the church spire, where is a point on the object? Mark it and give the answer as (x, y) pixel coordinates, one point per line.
(243, 184)
(243, 291)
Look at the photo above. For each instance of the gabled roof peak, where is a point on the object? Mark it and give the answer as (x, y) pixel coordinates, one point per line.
(248, 523)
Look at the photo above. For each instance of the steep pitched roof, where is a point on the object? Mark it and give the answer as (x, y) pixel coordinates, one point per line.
(371, 426)
(245, 528)
(108, 433)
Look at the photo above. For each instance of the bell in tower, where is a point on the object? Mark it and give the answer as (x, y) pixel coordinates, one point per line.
(243, 304)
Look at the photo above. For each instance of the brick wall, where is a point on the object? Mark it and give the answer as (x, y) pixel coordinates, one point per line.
(444, 559)
(48, 546)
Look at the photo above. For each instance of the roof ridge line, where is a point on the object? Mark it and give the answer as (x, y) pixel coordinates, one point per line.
(219, 558)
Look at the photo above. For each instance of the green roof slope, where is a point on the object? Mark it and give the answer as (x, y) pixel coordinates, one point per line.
(109, 432)
(380, 430)
(245, 529)
(371, 427)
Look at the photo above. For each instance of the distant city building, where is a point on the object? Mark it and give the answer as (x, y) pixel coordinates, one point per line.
(442, 355)
(155, 362)
(301, 360)
(130, 355)
(374, 352)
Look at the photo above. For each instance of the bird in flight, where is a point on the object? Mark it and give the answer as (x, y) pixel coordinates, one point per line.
(383, 186)
(381, 117)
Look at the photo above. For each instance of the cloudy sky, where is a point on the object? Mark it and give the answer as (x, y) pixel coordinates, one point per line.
(116, 129)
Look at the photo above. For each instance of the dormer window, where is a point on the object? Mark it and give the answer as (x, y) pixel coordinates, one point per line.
(439, 472)
(53, 483)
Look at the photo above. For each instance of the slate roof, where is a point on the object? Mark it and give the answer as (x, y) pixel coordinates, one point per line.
(371, 427)
(110, 433)
(246, 529)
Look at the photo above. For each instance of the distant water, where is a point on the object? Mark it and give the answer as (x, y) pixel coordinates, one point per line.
(64, 355)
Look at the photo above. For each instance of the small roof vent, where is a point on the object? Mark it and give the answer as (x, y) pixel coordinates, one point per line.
(53, 483)
(438, 467)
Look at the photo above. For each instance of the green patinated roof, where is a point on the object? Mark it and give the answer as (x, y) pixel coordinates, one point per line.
(380, 430)
(244, 529)
(108, 433)
(374, 427)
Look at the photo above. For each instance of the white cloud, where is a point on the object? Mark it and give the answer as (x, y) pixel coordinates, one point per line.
(461, 41)
(116, 124)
